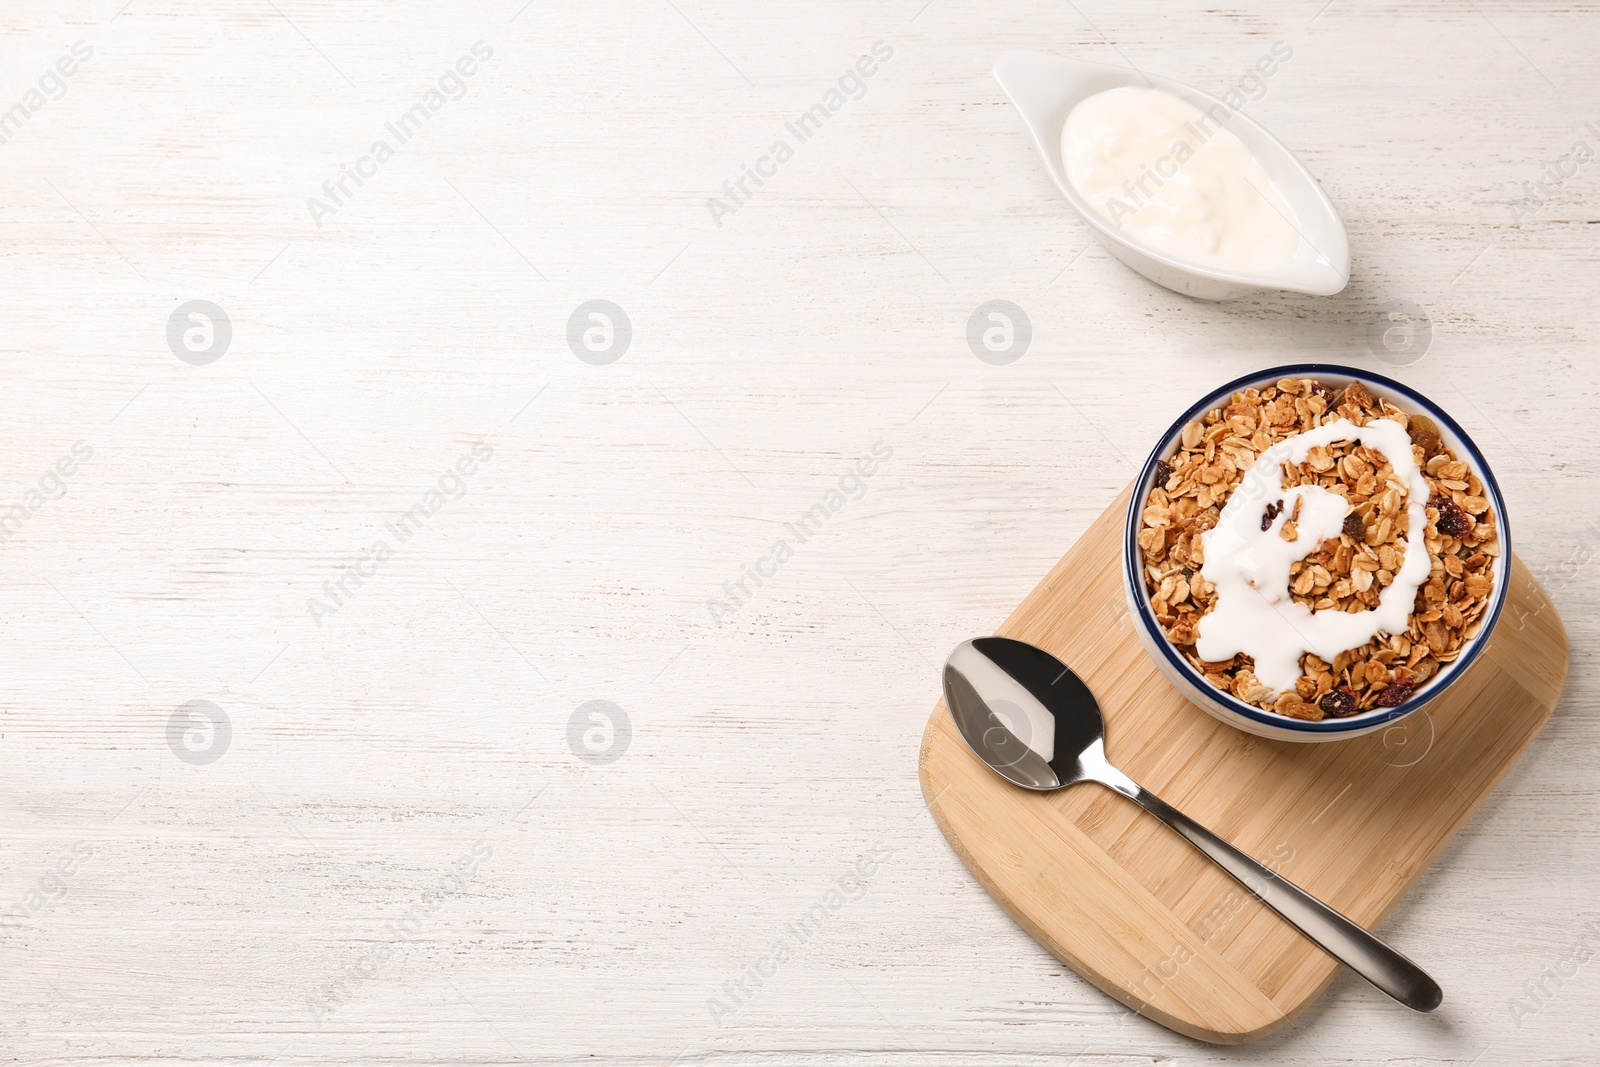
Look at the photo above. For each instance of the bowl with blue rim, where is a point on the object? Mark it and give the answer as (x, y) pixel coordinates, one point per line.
(1200, 686)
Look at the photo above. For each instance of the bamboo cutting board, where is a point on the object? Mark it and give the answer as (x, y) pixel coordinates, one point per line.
(1133, 908)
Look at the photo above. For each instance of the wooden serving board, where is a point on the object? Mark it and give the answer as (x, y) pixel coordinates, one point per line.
(1133, 908)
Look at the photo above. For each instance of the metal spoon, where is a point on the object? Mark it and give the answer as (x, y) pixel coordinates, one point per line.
(1025, 714)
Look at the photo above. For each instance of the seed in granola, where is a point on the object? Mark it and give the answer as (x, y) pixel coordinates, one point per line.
(1396, 694)
(1453, 522)
(1338, 703)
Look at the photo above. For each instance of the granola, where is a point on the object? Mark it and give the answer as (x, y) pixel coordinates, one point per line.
(1343, 573)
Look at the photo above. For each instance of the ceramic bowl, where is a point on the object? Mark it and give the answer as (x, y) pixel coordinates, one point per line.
(1248, 717)
(1045, 88)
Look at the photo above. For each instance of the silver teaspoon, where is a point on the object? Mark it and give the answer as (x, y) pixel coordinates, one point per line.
(1025, 714)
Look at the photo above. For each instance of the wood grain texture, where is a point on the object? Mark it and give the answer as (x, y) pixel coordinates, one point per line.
(1108, 889)
(770, 752)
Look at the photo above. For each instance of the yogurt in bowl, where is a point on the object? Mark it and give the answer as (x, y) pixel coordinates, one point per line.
(1268, 202)
(1313, 552)
(1177, 180)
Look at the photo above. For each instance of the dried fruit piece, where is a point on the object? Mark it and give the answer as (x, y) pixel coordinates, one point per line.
(1452, 522)
(1338, 703)
(1274, 509)
(1425, 435)
(1396, 694)
(1354, 527)
(1163, 472)
(1430, 444)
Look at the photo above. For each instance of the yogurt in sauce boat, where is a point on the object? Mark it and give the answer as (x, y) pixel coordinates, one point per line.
(1047, 89)
(1177, 180)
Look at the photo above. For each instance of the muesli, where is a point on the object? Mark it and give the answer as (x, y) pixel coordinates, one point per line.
(1346, 572)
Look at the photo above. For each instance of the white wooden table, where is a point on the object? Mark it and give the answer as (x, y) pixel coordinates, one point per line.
(386, 848)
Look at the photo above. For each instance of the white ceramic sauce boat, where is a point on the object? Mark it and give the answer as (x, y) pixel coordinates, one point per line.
(1045, 88)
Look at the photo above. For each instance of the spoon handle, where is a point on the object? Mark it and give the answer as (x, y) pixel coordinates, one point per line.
(1347, 942)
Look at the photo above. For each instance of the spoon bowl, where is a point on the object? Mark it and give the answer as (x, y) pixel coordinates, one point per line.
(995, 689)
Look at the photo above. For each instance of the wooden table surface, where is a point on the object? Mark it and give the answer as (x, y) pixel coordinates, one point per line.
(309, 597)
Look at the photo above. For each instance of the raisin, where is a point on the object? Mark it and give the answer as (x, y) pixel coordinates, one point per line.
(1338, 703)
(1424, 434)
(1429, 443)
(1163, 472)
(1452, 521)
(1354, 526)
(1421, 424)
(1396, 694)
(1274, 509)
(1325, 393)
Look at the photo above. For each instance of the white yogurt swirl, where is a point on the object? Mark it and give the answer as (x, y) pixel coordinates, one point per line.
(1254, 613)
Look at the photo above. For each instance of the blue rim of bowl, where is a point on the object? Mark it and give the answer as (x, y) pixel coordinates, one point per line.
(1132, 569)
